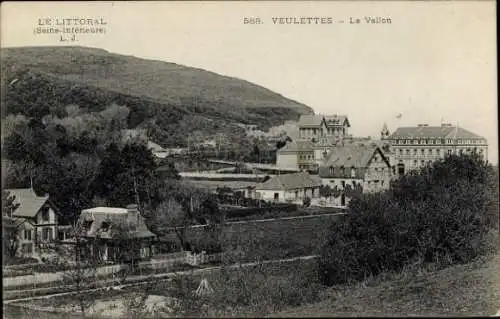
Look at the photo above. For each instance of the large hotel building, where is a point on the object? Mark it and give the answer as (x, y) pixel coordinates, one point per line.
(413, 147)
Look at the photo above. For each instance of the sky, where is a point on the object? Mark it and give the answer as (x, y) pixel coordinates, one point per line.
(435, 61)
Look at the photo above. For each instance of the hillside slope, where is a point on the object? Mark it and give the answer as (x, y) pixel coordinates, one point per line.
(42, 80)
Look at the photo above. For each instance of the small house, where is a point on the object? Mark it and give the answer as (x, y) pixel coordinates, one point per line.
(37, 217)
(289, 187)
(116, 234)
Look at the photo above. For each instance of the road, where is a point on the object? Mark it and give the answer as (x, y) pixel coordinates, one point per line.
(162, 277)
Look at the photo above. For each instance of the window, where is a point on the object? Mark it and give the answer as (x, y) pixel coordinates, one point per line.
(415, 151)
(414, 162)
(407, 152)
(422, 151)
(87, 224)
(343, 184)
(353, 172)
(449, 152)
(400, 152)
(276, 196)
(429, 151)
(45, 214)
(105, 225)
(422, 162)
(27, 234)
(27, 248)
(47, 234)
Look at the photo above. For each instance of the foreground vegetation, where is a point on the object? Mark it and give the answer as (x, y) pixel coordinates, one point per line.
(446, 214)
(463, 290)
(294, 290)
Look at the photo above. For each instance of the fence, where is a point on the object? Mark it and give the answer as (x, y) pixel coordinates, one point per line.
(166, 264)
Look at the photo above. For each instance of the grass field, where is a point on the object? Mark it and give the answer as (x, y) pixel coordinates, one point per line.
(267, 240)
(464, 290)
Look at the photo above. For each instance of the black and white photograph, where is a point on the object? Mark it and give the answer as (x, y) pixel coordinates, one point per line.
(254, 159)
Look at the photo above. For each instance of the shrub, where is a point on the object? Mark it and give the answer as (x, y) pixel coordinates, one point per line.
(442, 214)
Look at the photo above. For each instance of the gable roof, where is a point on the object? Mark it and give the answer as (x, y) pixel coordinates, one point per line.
(444, 131)
(316, 120)
(290, 181)
(114, 216)
(29, 203)
(351, 156)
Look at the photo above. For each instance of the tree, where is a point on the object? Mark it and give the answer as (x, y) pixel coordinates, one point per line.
(325, 191)
(10, 226)
(441, 214)
(81, 264)
(307, 201)
(183, 206)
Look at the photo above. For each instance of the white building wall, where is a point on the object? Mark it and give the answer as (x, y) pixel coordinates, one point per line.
(287, 160)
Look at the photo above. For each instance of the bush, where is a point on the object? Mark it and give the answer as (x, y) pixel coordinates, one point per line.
(443, 214)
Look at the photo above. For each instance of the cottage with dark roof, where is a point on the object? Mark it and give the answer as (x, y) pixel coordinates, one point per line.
(289, 187)
(38, 218)
(413, 147)
(356, 165)
(106, 228)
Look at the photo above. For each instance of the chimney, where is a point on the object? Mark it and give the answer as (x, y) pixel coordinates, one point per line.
(133, 214)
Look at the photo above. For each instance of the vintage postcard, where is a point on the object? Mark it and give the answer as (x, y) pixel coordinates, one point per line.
(249, 159)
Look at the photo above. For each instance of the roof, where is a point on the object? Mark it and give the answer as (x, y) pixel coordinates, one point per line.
(290, 181)
(444, 131)
(29, 203)
(350, 156)
(13, 222)
(114, 216)
(315, 120)
(295, 146)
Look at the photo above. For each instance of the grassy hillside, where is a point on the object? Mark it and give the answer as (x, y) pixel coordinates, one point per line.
(464, 290)
(40, 80)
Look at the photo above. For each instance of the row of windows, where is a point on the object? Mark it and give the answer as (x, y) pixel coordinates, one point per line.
(304, 157)
(431, 151)
(46, 234)
(437, 141)
(375, 183)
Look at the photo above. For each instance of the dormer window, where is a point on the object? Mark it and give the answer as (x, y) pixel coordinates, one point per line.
(105, 225)
(87, 224)
(331, 170)
(353, 172)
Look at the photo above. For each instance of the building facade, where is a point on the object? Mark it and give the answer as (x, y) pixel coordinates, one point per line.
(116, 234)
(318, 127)
(41, 218)
(413, 147)
(356, 165)
(292, 187)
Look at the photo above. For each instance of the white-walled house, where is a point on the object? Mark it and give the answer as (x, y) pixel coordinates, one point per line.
(41, 218)
(292, 187)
